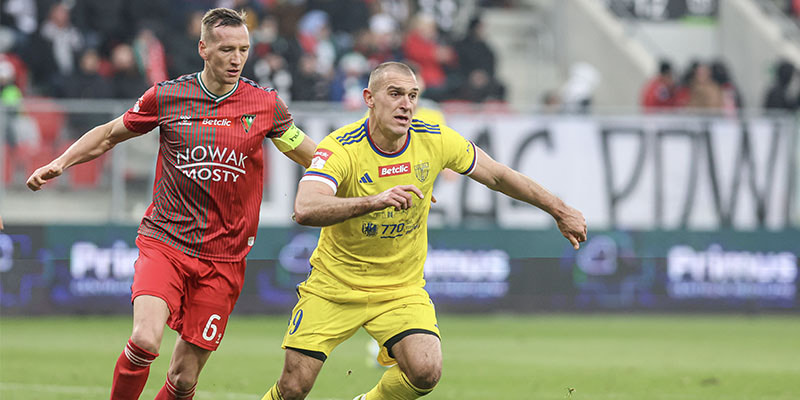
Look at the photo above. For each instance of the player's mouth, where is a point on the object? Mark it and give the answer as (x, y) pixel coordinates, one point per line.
(233, 72)
(402, 119)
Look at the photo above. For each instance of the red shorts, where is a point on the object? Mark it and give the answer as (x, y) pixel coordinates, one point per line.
(200, 293)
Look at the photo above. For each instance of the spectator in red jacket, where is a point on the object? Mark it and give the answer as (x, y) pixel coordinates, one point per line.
(422, 48)
(659, 92)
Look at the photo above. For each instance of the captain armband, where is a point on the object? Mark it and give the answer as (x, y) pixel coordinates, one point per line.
(290, 139)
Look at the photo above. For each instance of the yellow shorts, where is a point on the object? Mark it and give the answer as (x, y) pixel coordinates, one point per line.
(318, 324)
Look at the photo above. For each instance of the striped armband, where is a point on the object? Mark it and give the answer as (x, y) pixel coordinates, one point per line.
(290, 139)
(321, 177)
(474, 163)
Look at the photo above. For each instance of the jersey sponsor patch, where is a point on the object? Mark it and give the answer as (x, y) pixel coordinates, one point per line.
(320, 157)
(216, 122)
(394, 169)
(138, 105)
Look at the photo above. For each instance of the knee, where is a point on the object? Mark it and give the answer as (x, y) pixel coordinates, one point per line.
(182, 379)
(146, 340)
(293, 389)
(425, 376)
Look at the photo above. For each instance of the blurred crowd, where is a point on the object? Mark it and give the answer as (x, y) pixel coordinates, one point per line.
(314, 50)
(707, 87)
(309, 50)
(703, 87)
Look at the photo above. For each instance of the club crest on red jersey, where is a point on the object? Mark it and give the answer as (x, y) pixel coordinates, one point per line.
(247, 121)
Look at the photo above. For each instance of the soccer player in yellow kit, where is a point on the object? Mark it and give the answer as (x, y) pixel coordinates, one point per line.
(369, 186)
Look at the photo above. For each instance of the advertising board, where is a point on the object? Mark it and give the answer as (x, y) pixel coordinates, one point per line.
(52, 270)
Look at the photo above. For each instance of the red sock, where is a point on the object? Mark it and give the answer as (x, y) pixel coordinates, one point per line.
(130, 373)
(170, 392)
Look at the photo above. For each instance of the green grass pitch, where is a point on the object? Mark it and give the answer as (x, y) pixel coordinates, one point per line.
(602, 357)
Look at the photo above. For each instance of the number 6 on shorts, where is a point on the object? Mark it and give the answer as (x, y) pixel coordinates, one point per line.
(211, 329)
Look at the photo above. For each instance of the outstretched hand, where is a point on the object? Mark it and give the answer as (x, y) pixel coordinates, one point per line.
(572, 225)
(400, 197)
(42, 175)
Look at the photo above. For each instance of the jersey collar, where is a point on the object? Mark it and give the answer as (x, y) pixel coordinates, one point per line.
(381, 152)
(212, 95)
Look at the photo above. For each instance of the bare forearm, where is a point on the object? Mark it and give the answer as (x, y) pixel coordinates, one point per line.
(520, 187)
(503, 179)
(330, 210)
(91, 145)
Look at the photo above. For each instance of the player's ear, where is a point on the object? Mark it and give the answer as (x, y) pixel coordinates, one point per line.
(201, 49)
(368, 99)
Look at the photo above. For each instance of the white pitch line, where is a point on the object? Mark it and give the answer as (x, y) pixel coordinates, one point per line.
(36, 387)
(103, 390)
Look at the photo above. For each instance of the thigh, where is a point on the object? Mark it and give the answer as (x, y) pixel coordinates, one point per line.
(209, 301)
(397, 319)
(318, 325)
(158, 273)
(149, 315)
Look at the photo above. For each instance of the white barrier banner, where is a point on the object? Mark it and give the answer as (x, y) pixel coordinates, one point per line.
(639, 172)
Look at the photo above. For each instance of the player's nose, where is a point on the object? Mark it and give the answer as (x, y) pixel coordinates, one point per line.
(405, 103)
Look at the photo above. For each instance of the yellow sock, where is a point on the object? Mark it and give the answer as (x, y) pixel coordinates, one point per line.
(394, 385)
(273, 393)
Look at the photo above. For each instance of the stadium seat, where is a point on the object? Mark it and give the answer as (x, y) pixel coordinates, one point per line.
(20, 161)
(49, 117)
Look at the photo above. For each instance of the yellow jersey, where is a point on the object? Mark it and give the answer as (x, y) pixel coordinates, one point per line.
(386, 249)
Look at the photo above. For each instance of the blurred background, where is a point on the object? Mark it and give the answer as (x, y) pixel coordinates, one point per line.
(671, 124)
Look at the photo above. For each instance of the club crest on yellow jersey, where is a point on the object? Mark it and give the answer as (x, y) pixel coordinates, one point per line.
(421, 171)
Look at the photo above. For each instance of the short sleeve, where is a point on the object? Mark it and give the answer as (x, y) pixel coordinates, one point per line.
(281, 118)
(330, 164)
(143, 116)
(458, 153)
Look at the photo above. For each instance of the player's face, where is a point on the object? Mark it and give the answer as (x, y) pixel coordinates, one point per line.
(394, 101)
(225, 52)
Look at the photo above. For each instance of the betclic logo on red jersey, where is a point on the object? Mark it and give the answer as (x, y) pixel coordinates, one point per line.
(215, 122)
(394, 169)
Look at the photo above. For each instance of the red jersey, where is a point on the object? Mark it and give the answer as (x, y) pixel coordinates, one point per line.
(209, 173)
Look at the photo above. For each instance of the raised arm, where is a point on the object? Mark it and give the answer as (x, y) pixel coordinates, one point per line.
(316, 204)
(499, 177)
(91, 145)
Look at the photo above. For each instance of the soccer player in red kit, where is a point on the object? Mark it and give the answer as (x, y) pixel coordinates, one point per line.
(203, 219)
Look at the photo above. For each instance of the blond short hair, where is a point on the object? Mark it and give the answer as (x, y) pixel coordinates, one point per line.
(220, 17)
(376, 76)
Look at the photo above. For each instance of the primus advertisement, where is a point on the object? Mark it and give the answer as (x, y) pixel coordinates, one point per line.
(48, 270)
